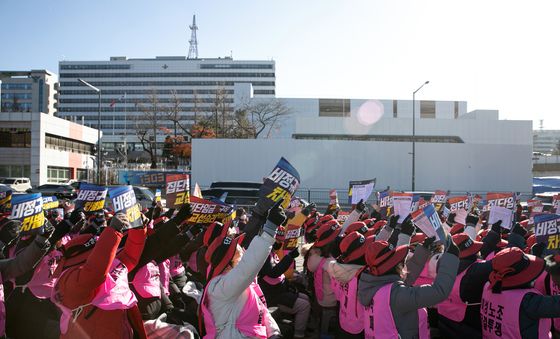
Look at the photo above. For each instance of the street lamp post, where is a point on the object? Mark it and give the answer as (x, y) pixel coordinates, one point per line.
(414, 134)
(98, 128)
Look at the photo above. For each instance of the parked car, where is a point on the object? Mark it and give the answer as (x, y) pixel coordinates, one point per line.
(58, 190)
(236, 193)
(17, 184)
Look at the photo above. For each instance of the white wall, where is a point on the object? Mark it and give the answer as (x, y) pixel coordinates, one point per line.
(331, 164)
(516, 132)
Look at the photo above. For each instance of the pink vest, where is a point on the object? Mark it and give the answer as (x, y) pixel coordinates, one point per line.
(453, 307)
(146, 281)
(113, 294)
(424, 278)
(278, 280)
(318, 279)
(42, 281)
(546, 286)
(177, 267)
(350, 312)
(499, 314)
(490, 256)
(540, 283)
(252, 319)
(379, 321)
(2, 309)
(192, 263)
(164, 275)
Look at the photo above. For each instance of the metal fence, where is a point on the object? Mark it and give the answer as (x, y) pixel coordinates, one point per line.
(320, 196)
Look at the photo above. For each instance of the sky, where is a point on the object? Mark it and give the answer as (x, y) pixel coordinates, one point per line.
(493, 54)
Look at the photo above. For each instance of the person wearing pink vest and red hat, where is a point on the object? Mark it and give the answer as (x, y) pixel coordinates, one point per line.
(344, 273)
(92, 289)
(21, 263)
(275, 286)
(316, 263)
(393, 309)
(31, 313)
(511, 305)
(459, 314)
(232, 304)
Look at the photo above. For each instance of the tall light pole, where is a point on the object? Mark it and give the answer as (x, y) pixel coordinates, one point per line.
(414, 134)
(98, 128)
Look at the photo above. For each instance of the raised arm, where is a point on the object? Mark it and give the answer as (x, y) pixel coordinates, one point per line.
(25, 260)
(407, 299)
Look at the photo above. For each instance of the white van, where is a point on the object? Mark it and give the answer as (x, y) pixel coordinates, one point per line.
(17, 184)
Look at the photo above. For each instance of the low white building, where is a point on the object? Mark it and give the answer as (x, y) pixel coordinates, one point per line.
(45, 148)
(333, 141)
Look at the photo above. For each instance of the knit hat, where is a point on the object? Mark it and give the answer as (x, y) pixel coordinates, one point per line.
(467, 246)
(418, 238)
(457, 228)
(311, 223)
(220, 253)
(531, 240)
(358, 226)
(327, 233)
(382, 256)
(76, 251)
(213, 231)
(352, 247)
(511, 267)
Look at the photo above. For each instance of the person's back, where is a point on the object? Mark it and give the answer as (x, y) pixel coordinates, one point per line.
(92, 287)
(394, 309)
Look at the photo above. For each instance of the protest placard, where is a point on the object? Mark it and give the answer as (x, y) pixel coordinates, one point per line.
(360, 190)
(124, 201)
(501, 213)
(385, 203)
(428, 221)
(402, 204)
(206, 211)
(91, 198)
(506, 200)
(177, 190)
(280, 184)
(28, 209)
(458, 202)
(439, 198)
(49, 203)
(547, 231)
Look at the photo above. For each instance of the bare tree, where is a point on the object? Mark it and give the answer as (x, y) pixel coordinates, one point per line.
(148, 123)
(265, 115)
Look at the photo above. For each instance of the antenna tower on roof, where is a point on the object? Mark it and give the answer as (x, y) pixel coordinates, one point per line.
(193, 43)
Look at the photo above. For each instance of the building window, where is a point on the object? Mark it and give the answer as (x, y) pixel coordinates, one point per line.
(334, 107)
(94, 67)
(427, 109)
(394, 108)
(81, 174)
(58, 174)
(67, 144)
(41, 95)
(456, 110)
(17, 96)
(162, 83)
(167, 75)
(15, 137)
(15, 171)
(449, 139)
(18, 86)
(236, 66)
(148, 91)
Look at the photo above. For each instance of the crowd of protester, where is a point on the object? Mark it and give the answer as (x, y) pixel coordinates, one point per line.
(93, 275)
